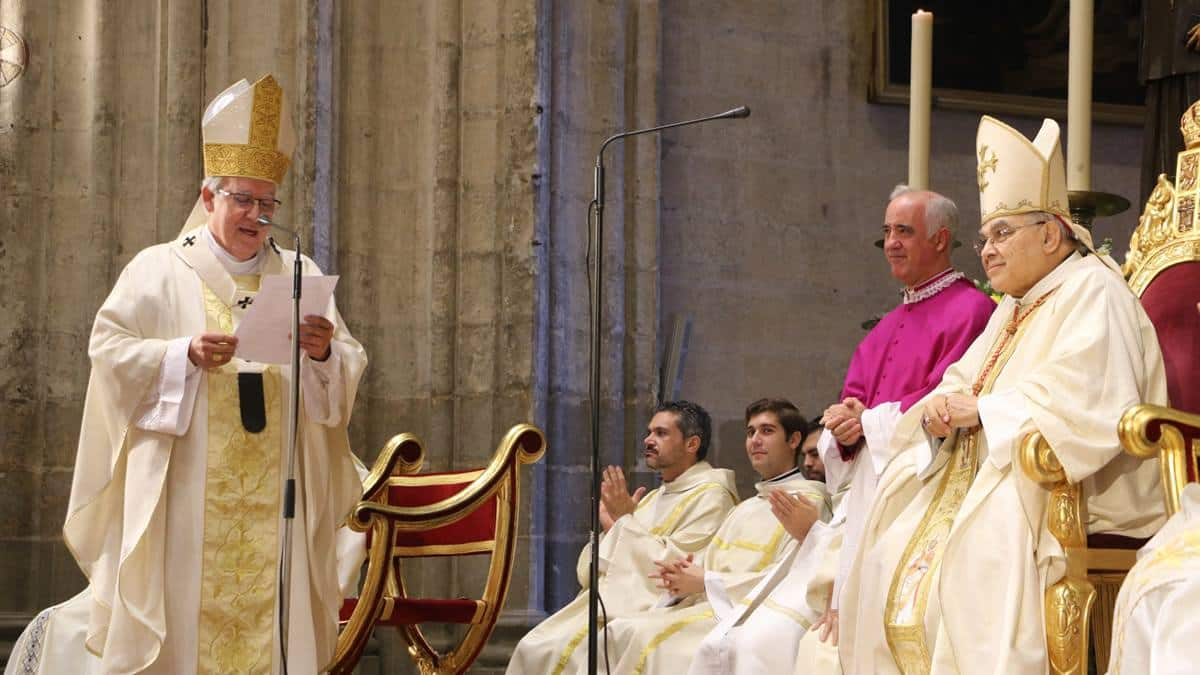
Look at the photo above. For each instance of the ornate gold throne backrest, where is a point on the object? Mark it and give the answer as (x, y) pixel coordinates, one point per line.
(1167, 233)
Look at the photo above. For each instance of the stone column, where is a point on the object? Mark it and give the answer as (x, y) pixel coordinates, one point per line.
(600, 77)
(99, 148)
(435, 135)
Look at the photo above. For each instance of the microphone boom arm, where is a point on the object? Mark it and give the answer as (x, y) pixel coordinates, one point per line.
(595, 244)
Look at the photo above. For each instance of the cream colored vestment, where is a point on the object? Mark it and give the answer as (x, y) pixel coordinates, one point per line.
(744, 550)
(1087, 354)
(671, 521)
(136, 518)
(1156, 623)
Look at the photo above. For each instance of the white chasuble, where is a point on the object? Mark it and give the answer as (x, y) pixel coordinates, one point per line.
(746, 547)
(956, 555)
(1156, 623)
(671, 521)
(159, 545)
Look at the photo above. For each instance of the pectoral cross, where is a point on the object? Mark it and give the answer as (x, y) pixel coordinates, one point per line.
(189, 240)
(245, 302)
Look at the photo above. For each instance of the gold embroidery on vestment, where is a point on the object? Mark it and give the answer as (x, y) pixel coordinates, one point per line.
(1159, 566)
(572, 645)
(665, 634)
(241, 514)
(676, 513)
(919, 565)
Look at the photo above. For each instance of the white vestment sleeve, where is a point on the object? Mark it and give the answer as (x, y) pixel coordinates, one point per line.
(1003, 416)
(837, 469)
(323, 388)
(714, 588)
(878, 423)
(167, 407)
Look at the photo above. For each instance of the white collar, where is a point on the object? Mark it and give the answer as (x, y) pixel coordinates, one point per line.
(231, 264)
(932, 286)
(786, 475)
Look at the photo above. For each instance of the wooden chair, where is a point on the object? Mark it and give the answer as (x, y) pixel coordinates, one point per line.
(408, 515)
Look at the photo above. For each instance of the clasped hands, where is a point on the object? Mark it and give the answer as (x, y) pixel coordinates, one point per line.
(679, 577)
(213, 350)
(844, 420)
(944, 413)
(683, 576)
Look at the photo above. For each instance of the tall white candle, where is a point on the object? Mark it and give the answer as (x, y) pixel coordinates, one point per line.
(920, 98)
(1079, 98)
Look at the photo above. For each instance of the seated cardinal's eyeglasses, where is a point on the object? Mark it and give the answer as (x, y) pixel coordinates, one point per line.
(245, 201)
(1000, 235)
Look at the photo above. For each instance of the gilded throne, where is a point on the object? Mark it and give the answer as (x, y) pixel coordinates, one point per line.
(1163, 269)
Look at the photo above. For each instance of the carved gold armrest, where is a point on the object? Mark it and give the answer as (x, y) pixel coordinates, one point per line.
(523, 443)
(1068, 602)
(1171, 435)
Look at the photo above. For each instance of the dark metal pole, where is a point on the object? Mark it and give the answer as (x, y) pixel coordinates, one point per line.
(597, 240)
(596, 244)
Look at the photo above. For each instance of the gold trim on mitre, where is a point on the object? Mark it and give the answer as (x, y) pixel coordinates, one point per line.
(1018, 176)
(247, 132)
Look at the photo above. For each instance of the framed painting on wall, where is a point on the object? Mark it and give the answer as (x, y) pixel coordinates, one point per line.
(1011, 57)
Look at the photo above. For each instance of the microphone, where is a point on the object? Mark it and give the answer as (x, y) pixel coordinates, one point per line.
(596, 249)
(740, 112)
(266, 221)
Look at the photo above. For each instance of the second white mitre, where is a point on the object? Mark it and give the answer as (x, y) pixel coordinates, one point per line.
(1018, 176)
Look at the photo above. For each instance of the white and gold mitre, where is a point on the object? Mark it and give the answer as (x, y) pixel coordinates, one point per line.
(1016, 176)
(248, 132)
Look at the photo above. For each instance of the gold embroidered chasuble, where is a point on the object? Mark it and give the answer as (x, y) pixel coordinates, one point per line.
(139, 522)
(241, 511)
(673, 520)
(908, 597)
(970, 577)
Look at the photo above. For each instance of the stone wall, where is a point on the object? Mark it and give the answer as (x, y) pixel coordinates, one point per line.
(98, 159)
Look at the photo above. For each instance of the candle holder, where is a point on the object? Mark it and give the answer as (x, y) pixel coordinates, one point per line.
(1088, 205)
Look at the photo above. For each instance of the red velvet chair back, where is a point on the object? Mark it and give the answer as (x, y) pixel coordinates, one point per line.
(1170, 301)
(474, 533)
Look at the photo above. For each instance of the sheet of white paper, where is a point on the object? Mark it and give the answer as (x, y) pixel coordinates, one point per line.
(264, 335)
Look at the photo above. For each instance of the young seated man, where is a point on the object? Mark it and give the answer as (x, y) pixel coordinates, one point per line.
(702, 589)
(674, 520)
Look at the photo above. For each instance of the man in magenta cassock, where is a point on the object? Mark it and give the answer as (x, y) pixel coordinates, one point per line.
(904, 355)
(897, 363)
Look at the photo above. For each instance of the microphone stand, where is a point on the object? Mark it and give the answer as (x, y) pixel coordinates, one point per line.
(595, 244)
(289, 491)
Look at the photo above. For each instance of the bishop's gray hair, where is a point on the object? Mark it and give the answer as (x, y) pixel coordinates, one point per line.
(1067, 233)
(213, 183)
(941, 213)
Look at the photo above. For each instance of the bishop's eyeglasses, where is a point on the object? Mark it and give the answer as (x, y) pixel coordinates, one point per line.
(245, 201)
(1000, 235)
